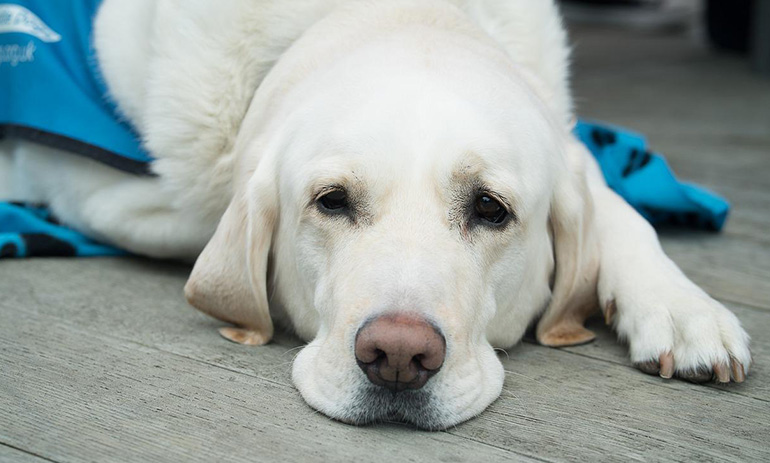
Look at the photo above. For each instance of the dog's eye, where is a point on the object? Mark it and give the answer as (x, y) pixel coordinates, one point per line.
(490, 209)
(334, 200)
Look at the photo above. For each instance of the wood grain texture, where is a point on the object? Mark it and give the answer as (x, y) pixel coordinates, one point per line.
(139, 360)
(102, 360)
(729, 268)
(79, 395)
(12, 455)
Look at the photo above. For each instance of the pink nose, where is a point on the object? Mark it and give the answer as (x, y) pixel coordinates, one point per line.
(399, 351)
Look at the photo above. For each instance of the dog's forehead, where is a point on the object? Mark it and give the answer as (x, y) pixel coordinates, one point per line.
(390, 118)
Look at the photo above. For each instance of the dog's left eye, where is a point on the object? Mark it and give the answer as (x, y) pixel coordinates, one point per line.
(334, 200)
(490, 209)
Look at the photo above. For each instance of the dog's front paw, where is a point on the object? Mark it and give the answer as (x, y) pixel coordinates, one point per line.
(673, 328)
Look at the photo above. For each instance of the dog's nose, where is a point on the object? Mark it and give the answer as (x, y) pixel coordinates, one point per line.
(399, 351)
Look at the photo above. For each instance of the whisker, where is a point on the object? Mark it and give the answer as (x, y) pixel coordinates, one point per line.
(316, 412)
(515, 397)
(297, 349)
(293, 349)
(520, 403)
(529, 378)
(281, 364)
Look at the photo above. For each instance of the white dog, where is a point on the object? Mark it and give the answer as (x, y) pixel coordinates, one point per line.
(396, 179)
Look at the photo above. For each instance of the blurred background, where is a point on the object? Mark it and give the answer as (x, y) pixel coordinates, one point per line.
(693, 77)
(740, 26)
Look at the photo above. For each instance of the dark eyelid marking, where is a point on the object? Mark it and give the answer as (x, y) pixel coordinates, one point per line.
(468, 180)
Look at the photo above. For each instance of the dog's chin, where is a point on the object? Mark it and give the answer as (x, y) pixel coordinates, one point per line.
(367, 404)
(372, 404)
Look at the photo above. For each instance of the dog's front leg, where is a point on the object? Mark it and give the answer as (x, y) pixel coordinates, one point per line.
(673, 327)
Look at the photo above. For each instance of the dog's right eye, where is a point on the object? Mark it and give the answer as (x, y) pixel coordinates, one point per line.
(335, 200)
(490, 210)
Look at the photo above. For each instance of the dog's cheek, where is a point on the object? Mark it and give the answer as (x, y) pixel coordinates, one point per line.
(478, 366)
(326, 378)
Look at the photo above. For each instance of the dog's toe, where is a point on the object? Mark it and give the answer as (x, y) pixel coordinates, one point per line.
(739, 373)
(720, 372)
(667, 365)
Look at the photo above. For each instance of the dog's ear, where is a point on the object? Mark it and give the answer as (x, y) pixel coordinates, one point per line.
(229, 280)
(575, 249)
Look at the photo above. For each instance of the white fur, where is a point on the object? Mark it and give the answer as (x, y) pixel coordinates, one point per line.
(257, 104)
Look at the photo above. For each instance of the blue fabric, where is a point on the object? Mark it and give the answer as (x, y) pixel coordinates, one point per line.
(28, 230)
(645, 180)
(51, 90)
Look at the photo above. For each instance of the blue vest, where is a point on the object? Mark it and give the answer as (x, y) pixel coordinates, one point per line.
(51, 91)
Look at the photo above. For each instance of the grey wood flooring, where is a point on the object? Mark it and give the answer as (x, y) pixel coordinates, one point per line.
(102, 360)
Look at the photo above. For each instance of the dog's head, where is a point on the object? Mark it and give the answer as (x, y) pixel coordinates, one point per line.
(402, 203)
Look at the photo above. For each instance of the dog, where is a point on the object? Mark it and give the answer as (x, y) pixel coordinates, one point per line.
(396, 181)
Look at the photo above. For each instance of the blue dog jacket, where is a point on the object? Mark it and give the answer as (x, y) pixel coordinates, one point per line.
(51, 91)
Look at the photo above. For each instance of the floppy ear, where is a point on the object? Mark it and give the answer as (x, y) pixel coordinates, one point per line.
(229, 280)
(573, 296)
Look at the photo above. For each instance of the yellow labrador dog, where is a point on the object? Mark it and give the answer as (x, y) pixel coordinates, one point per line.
(395, 180)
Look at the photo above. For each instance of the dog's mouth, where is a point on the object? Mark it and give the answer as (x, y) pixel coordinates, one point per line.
(374, 404)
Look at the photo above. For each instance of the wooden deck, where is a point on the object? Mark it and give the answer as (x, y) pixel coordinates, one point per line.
(102, 360)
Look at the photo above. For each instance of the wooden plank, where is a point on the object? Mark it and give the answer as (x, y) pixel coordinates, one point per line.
(729, 268)
(582, 409)
(72, 394)
(665, 84)
(557, 405)
(12, 455)
(737, 161)
(136, 300)
(749, 218)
